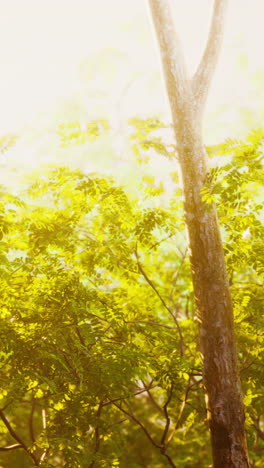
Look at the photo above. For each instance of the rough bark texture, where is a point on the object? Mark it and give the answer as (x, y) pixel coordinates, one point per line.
(187, 100)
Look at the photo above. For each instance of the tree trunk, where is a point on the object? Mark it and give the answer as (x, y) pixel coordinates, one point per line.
(212, 294)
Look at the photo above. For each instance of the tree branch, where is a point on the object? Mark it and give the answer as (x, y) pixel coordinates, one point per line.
(162, 240)
(158, 446)
(177, 273)
(170, 460)
(109, 402)
(203, 76)
(97, 434)
(167, 426)
(152, 399)
(175, 72)
(152, 285)
(11, 447)
(184, 401)
(15, 436)
(131, 415)
(149, 322)
(258, 430)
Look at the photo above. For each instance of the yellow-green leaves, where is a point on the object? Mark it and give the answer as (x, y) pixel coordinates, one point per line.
(73, 133)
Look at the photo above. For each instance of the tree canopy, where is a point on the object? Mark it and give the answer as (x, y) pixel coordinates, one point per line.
(100, 356)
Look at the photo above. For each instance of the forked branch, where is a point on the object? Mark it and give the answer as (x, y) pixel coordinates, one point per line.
(145, 430)
(183, 90)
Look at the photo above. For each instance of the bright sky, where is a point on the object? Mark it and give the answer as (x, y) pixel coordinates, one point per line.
(44, 43)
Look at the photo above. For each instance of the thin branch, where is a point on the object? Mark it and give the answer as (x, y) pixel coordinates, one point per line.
(152, 399)
(11, 431)
(144, 429)
(246, 366)
(177, 273)
(97, 434)
(44, 418)
(44, 454)
(167, 426)
(11, 447)
(15, 436)
(162, 240)
(97, 316)
(131, 415)
(118, 422)
(170, 460)
(259, 431)
(177, 424)
(149, 281)
(204, 73)
(109, 402)
(152, 285)
(7, 404)
(79, 335)
(149, 322)
(44, 425)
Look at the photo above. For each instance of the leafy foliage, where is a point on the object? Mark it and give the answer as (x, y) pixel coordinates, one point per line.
(144, 141)
(100, 363)
(72, 132)
(6, 142)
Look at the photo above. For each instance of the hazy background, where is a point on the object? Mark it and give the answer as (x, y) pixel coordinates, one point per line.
(67, 60)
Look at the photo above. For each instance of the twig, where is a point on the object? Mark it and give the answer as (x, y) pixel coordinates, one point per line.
(170, 460)
(131, 415)
(79, 335)
(44, 425)
(149, 322)
(44, 454)
(258, 430)
(246, 366)
(152, 399)
(11, 447)
(177, 424)
(15, 436)
(152, 285)
(177, 273)
(97, 434)
(162, 240)
(150, 438)
(167, 426)
(109, 402)
(118, 422)
(44, 418)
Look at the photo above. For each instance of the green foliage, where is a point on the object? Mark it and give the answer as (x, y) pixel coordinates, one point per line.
(72, 133)
(99, 356)
(6, 142)
(237, 186)
(144, 141)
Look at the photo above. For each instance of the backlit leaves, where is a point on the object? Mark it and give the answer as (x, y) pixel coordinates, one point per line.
(95, 285)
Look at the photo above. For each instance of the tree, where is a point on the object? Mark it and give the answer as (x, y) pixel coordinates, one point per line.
(187, 99)
(99, 363)
(77, 313)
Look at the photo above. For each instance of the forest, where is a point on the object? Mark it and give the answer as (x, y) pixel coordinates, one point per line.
(132, 326)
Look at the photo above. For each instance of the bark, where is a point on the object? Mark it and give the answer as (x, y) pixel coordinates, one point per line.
(187, 100)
